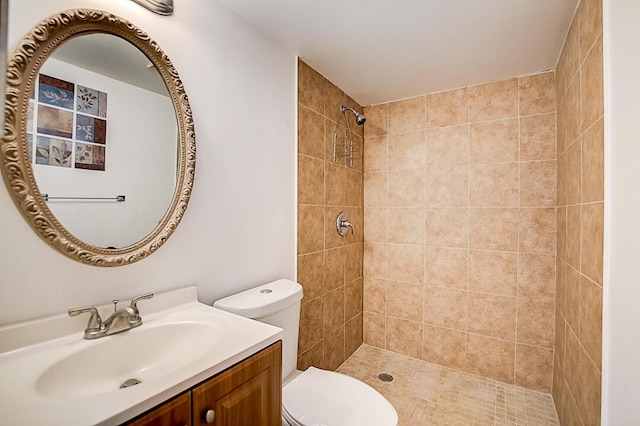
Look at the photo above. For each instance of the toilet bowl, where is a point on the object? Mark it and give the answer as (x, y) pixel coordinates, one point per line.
(313, 397)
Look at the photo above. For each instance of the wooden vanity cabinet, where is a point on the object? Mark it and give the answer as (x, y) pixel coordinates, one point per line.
(248, 393)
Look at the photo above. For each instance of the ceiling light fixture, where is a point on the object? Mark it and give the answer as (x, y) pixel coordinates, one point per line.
(161, 7)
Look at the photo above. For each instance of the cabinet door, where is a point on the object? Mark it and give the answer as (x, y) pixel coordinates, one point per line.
(249, 393)
(176, 412)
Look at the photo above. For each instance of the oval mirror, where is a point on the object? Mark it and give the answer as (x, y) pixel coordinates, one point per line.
(98, 150)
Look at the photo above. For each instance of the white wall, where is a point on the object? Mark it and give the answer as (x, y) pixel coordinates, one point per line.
(140, 163)
(621, 336)
(239, 228)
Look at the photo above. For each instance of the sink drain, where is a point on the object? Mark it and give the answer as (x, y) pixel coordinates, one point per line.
(129, 383)
(385, 377)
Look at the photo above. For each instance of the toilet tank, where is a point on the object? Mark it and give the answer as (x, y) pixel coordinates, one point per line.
(276, 303)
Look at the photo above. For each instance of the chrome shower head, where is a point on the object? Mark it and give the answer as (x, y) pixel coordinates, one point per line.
(360, 119)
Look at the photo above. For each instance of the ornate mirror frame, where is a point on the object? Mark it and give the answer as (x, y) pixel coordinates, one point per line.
(22, 70)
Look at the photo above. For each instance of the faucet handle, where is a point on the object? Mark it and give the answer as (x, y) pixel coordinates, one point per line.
(95, 322)
(136, 299)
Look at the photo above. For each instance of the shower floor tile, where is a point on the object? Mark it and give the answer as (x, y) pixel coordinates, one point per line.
(429, 394)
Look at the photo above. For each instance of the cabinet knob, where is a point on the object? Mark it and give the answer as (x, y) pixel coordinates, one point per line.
(209, 416)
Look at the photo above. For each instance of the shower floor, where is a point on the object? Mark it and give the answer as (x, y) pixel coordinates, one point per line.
(429, 394)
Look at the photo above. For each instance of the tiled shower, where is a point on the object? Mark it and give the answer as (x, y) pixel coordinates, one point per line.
(478, 214)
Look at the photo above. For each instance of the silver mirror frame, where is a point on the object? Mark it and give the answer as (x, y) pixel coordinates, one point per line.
(22, 70)
(161, 7)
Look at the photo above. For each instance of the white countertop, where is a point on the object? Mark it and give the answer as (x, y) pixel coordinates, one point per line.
(28, 349)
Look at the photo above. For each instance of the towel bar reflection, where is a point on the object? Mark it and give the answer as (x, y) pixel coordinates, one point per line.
(117, 198)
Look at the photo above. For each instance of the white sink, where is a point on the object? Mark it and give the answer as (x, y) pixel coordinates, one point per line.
(55, 378)
(142, 354)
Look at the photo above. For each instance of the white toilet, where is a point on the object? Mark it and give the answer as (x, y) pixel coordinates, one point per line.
(315, 396)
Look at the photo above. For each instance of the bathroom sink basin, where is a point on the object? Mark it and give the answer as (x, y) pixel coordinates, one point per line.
(128, 359)
(51, 375)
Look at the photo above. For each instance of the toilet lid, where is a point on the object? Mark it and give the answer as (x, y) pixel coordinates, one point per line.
(326, 398)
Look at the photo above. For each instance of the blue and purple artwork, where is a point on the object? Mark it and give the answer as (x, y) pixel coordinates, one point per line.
(89, 129)
(56, 92)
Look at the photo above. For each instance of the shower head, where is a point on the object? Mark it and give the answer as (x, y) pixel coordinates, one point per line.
(360, 119)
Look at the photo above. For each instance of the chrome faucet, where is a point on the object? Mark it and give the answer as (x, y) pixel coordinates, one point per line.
(121, 319)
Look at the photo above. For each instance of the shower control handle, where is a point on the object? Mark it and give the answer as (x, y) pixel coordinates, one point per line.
(343, 224)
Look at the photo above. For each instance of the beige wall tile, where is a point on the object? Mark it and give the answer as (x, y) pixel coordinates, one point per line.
(572, 294)
(493, 272)
(374, 326)
(376, 119)
(335, 188)
(493, 101)
(559, 341)
(447, 108)
(573, 236)
(490, 357)
(313, 356)
(537, 230)
(561, 233)
(334, 99)
(447, 185)
(354, 196)
(375, 189)
(375, 295)
(592, 86)
(333, 311)
(590, 328)
(353, 299)
(534, 367)
(572, 102)
(334, 349)
(493, 185)
(310, 133)
(310, 229)
(406, 151)
(331, 237)
(375, 260)
(310, 180)
(492, 315)
(448, 145)
(405, 263)
(561, 179)
(445, 307)
(311, 275)
(537, 183)
(535, 323)
(537, 276)
(404, 337)
(570, 57)
(590, 17)
(311, 86)
(404, 300)
(588, 392)
(310, 316)
(593, 163)
(405, 226)
(406, 115)
(574, 160)
(493, 229)
(375, 225)
(352, 335)
(447, 227)
(444, 346)
(537, 93)
(375, 153)
(406, 188)
(561, 126)
(591, 237)
(353, 254)
(538, 137)
(445, 267)
(561, 285)
(494, 141)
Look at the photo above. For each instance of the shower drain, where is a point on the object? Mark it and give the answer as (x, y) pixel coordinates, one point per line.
(129, 383)
(385, 377)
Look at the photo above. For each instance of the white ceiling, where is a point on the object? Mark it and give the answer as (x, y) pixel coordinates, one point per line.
(383, 50)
